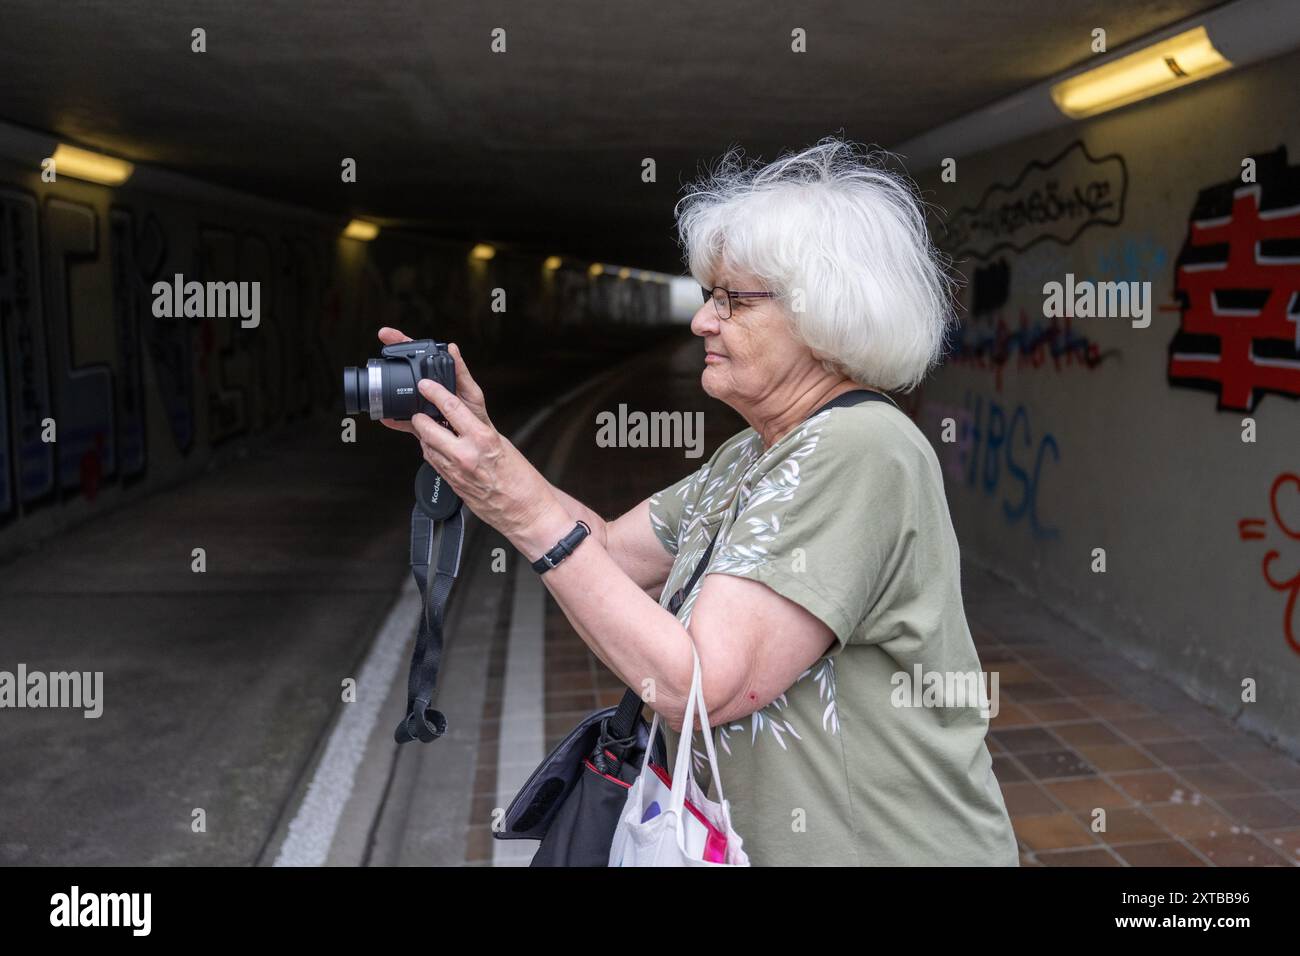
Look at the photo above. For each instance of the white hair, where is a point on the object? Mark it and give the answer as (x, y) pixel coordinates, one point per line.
(843, 243)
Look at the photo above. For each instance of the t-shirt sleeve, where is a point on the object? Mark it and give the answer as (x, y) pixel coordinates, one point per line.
(829, 525)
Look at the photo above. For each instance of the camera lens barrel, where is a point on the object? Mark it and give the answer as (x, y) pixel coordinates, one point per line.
(353, 390)
(383, 389)
(375, 388)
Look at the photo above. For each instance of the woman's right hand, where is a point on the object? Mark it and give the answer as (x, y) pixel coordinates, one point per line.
(467, 390)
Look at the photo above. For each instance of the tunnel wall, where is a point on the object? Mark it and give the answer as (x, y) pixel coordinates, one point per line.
(140, 401)
(1089, 433)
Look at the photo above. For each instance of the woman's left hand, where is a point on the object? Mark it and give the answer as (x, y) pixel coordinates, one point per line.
(494, 480)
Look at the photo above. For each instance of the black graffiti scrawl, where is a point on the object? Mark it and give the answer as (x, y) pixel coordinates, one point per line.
(1051, 200)
(26, 462)
(1237, 281)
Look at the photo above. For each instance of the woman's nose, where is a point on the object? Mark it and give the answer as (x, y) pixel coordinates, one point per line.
(706, 321)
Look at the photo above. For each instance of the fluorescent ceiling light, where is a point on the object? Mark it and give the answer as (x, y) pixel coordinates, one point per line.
(1229, 37)
(92, 167)
(360, 229)
(1167, 65)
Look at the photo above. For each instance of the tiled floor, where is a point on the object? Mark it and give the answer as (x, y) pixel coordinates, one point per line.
(1081, 731)
(1101, 763)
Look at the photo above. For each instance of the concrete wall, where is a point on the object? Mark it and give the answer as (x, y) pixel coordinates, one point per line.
(1091, 433)
(140, 402)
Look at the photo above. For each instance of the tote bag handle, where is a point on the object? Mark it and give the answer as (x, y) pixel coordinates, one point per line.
(682, 765)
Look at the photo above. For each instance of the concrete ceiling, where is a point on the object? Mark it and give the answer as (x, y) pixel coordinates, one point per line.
(542, 145)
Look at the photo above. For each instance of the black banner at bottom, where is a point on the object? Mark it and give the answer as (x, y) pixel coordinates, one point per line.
(331, 906)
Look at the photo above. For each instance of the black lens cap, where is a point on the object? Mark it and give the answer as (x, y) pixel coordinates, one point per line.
(435, 497)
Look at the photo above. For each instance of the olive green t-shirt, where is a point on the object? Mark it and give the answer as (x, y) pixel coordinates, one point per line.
(846, 516)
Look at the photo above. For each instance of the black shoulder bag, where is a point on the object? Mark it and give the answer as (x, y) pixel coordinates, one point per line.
(572, 801)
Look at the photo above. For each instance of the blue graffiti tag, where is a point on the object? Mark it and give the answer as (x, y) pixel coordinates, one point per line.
(990, 442)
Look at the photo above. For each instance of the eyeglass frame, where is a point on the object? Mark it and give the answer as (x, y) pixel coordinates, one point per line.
(732, 294)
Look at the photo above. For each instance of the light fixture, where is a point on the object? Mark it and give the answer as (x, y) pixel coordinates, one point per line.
(624, 272)
(92, 167)
(482, 252)
(595, 269)
(1166, 65)
(552, 263)
(360, 229)
(1229, 37)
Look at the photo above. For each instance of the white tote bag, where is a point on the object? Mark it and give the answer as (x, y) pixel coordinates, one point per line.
(669, 821)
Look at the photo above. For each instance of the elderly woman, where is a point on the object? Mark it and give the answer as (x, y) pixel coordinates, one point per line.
(835, 573)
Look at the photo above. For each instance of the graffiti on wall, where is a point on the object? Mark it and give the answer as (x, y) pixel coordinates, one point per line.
(139, 254)
(1132, 258)
(28, 472)
(987, 340)
(1285, 511)
(953, 456)
(1237, 280)
(47, 252)
(1054, 200)
(281, 373)
(998, 452)
(41, 373)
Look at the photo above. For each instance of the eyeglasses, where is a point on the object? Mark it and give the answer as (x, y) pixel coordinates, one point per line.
(722, 298)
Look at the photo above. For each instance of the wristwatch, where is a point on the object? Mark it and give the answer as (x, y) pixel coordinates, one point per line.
(563, 549)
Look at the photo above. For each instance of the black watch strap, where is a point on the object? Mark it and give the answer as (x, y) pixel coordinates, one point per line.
(562, 550)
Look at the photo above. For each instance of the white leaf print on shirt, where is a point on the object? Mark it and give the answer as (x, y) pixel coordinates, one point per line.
(660, 526)
(769, 719)
(777, 486)
(824, 674)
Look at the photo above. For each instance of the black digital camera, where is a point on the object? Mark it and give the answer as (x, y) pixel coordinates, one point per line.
(386, 387)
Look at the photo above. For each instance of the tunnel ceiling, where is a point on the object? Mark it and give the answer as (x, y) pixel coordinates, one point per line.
(541, 146)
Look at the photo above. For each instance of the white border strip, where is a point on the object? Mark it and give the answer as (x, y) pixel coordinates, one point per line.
(311, 833)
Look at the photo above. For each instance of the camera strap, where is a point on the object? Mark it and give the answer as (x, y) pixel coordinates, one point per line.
(435, 561)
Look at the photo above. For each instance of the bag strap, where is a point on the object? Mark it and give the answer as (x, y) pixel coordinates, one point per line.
(436, 545)
(856, 397)
(629, 708)
(679, 596)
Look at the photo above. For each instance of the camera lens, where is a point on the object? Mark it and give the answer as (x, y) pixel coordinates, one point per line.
(363, 391)
(383, 389)
(354, 390)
